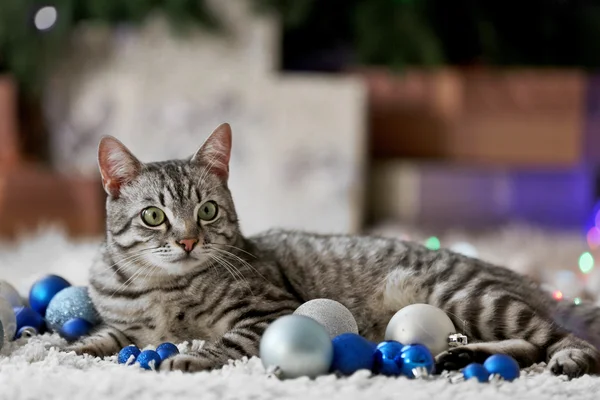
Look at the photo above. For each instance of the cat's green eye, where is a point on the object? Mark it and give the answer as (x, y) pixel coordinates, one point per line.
(208, 211)
(153, 216)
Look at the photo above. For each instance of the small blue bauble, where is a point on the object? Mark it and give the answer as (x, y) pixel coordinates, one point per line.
(28, 317)
(297, 346)
(44, 290)
(386, 358)
(166, 350)
(72, 302)
(503, 365)
(26, 332)
(417, 361)
(75, 328)
(126, 353)
(477, 371)
(148, 359)
(351, 352)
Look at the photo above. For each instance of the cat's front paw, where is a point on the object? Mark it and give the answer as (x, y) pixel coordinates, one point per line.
(81, 349)
(187, 363)
(459, 357)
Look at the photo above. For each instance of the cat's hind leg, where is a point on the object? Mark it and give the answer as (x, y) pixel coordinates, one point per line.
(573, 357)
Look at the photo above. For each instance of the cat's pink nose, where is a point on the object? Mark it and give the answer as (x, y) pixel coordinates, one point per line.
(188, 244)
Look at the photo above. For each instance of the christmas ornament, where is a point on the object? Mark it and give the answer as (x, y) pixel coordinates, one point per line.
(334, 316)
(422, 324)
(75, 328)
(502, 366)
(386, 358)
(477, 371)
(128, 355)
(148, 359)
(69, 303)
(166, 350)
(351, 352)
(297, 346)
(26, 332)
(8, 320)
(9, 293)
(417, 361)
(44, 290)
(28, 317)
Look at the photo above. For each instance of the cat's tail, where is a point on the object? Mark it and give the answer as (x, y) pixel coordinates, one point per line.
(582, 319)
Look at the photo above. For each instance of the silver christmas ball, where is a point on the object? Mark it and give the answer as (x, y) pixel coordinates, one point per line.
(69, 303)
(421, 324)
(8, 292)
(8, 319)
(334, 316)
(296, 346)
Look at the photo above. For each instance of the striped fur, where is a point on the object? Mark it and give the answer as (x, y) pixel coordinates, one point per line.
(229, 288)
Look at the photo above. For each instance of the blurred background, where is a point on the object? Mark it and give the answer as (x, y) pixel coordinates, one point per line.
(463, 124)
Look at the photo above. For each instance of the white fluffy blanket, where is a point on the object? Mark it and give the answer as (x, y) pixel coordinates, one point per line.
(35, 370)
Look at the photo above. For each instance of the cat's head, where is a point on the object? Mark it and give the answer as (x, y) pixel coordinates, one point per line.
(170, 217)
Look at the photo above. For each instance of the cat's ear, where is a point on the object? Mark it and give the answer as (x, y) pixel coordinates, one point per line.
(216, 151)
(118, 166)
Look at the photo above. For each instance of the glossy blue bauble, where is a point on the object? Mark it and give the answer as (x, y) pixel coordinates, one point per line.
(72, 302)
(44, 290)
(166, 350)
(351, 352)
(75, 328)
(503, 365)
(386, 358)
(26, 331)
(149, 359)
(26, 316)
(416, 356)
(126, 353)
(477, 371)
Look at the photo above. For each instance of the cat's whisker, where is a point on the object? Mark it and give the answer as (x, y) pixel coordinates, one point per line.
(239, 259)
(234, 247)
(236, 274)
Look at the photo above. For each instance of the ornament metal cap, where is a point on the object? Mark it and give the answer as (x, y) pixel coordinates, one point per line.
(420, 373)
(496, 378)
(457, 339)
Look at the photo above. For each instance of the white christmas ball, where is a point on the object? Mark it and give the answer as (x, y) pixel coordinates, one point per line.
(334, 316)
(8, 319)
(421, 324)
(8, 292)
(297, 346)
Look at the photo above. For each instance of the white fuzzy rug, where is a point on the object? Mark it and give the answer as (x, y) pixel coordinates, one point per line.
(34, 370)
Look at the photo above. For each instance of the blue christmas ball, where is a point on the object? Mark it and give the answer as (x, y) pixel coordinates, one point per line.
(386, 358)
(166, 350)
(26, 332)
(148, 359)
(477, 371)
(503, 365)
(417, 361)
(126, 353)
(72, 302)
(44, 290)
(351, 352)
(28, 317)
(75, 328)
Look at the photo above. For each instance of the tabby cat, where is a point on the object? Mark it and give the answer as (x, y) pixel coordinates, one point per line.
(175, 267)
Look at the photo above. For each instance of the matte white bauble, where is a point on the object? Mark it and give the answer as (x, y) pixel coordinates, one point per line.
(421, 324)
(334, 316)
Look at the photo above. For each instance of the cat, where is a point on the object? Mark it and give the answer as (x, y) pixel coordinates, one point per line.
(176, 267)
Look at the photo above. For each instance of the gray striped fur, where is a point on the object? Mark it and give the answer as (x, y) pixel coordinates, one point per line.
(231, 287)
